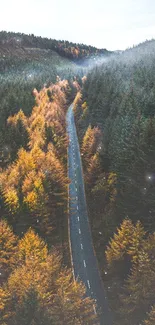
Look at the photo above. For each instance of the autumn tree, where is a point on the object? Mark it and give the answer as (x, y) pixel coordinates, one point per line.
(40, 289)
(77, 105)
(8, 250)
(124, 247)
(31, 311)
(31, 247)
(34, 187)
(151, 317)
(90, 155)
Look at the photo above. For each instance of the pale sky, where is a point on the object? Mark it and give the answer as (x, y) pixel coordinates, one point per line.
(111, 24)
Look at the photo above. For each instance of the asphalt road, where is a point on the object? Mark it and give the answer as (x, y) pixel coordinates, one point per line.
(84, 261)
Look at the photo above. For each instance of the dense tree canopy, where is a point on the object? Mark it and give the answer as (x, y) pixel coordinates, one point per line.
(118, 98)
(34, 186)
(39, 289)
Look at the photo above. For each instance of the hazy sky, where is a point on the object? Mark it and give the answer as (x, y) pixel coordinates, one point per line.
(111, 24)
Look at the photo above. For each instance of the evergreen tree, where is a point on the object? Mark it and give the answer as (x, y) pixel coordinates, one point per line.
(151, 317)
(139, 290)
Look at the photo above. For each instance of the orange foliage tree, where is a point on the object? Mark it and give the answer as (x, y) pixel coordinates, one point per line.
(90, 155)
(41, 291)
(8, 250)
(34, 187)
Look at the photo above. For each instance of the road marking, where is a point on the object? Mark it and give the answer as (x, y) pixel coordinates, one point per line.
(79, 231)
(88, 284)
(77, 207)
(94, 309)
(76, 189)
(81, 246)
(78, 218)
(84, 263)
(76, 198)
(75, 182)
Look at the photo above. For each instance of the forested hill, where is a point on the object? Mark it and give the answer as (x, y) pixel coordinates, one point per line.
(21, 70)
(115, 117)
(36, 285)
(72, 51)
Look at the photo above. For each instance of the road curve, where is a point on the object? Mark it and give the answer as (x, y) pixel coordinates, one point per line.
(84, 261)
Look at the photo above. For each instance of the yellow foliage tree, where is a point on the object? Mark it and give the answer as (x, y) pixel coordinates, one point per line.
(41, 286)
(151, 317)
(31, 247)
(8, 249)
(119, 245)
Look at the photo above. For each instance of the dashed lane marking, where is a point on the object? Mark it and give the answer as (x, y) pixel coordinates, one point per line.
(88, 284)
(79, 231)
(81, 246)
(77, 207)
(78, 218)
(84, 263)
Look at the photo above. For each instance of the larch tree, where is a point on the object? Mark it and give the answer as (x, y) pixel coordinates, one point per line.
(151, 317)
(116, 252)
(8, 250)
(40, 289)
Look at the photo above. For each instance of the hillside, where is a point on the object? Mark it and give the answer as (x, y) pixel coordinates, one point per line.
(28, 62)
(21, 70)
(72, 51)
(115, 117)
(14, 54)
(114, 107)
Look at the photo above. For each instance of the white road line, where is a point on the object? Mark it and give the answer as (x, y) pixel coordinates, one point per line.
(84, 263)
(88, 284)
(78, 218)
(77, 207)
(76, 198)
(76, 189)
(81, 246)
(75, 182)
(79, 231)
(94, 309)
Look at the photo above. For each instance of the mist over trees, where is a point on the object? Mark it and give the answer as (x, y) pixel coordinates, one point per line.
(114, 107)
(118, 99)
(73, 51)
(37, 285)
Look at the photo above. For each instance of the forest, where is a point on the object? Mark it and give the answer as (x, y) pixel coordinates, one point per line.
(37, 86)
(73, 51)
(115, 119)
(37, 285)
(114, 107)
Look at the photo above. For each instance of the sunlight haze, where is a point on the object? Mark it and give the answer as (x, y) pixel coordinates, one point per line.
(114, 25)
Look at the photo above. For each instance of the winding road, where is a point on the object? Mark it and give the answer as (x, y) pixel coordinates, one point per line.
(84, 261)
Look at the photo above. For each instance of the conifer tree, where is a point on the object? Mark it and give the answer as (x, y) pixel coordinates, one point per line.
(116, 252)
(139, 290)
(8, 250)
(151, 317)
(40, 290)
